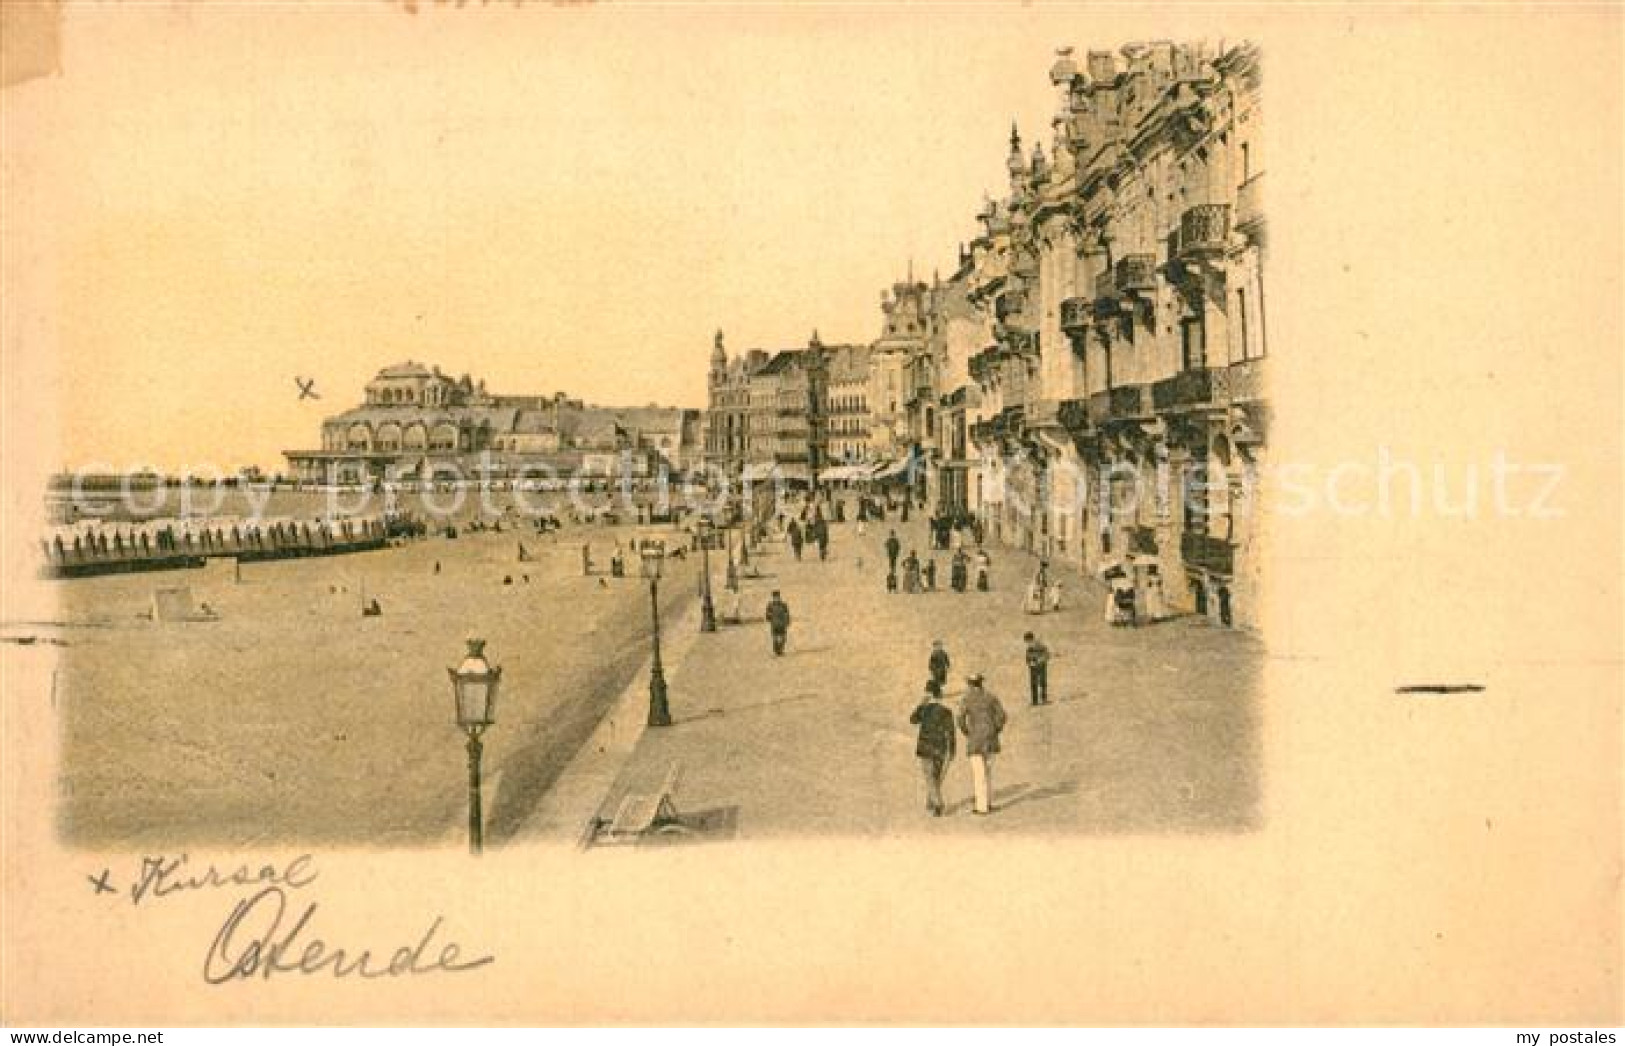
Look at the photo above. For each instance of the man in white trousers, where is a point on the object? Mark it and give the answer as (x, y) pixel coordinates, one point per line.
(981, 719)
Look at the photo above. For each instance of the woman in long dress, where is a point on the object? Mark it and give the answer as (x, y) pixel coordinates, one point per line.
(1034, 603)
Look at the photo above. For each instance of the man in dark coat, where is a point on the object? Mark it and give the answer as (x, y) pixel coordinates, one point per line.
(938, 663)
(936, 745)
(894, 548)
(778, 622)
(981, 718)
(794, 531)
(1037, 669)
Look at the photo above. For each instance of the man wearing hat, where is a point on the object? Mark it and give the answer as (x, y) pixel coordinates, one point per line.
(1037, 669)
(778, 622)
(938, 663)
(981, 718)
(936, 745)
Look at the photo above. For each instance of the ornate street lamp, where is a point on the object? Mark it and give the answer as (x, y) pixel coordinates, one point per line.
(653, 552)
(474, 688)
(708, 613)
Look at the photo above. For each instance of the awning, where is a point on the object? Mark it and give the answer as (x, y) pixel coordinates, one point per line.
(845, 473)
(765, 471)
(893, 470)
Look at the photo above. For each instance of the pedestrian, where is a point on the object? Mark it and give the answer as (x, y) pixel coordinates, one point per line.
(778, 622)
(983, 563)
(938, 663)
(1037, 669)
(930, 573)
(1034, 603)
(823, 540)
(981, 719)
(794, 530)
(911, 573)
(936, 745)
(894, 548)
(959, 570)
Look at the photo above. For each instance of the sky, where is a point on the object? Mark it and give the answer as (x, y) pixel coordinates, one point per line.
(555, 198)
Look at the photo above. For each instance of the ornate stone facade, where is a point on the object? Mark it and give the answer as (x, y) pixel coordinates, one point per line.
(1118, 407)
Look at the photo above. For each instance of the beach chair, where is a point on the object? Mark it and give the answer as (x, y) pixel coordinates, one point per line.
(643, 813)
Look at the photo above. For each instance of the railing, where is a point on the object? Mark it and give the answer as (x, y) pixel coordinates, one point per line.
(1136, 272)
(1122, 402)
(1018, 342)
(1190, 388)
(1076, 314)
(1073, 414)
(1246, 381)
(1128, 401)
(1204, 229)
(1208, 553)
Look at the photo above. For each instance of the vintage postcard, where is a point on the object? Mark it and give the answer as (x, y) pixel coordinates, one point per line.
(574, 514)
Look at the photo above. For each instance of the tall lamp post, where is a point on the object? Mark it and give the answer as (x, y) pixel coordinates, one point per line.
(474, 687)
(653, 551)
(708, 612)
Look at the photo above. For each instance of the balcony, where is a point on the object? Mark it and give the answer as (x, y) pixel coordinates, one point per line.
(1044, 414)
(1136, 274)
(1123, 403)
(1203, 230)
(1073, 415)
(1212, 554)
(1018, 342)
(1249, 209)
(1008, 304)
(1246, 381)
(984, 365)
(1192, 388)
(1076, 315)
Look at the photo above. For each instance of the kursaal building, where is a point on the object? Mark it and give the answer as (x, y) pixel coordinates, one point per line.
(419, 424)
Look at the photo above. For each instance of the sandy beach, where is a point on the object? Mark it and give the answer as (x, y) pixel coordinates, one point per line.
(295, 719)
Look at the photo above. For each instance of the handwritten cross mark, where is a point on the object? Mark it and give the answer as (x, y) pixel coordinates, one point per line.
(100, 882)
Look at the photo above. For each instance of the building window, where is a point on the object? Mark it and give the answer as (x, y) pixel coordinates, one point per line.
(1241, 322)
(1193, 342)
(1246, 162)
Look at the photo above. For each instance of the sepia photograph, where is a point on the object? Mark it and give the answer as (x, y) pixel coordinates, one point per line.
(719, 486)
